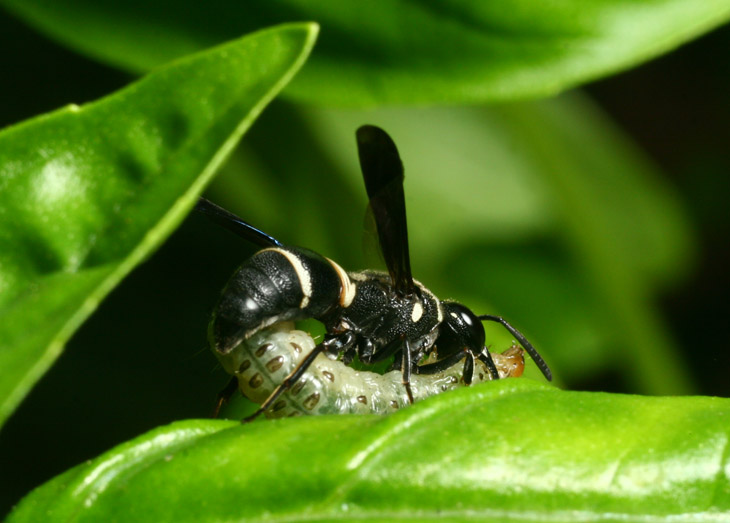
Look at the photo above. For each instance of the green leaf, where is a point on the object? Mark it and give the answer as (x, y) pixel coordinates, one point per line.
(398, 53)
(502, 451)
(88, 192)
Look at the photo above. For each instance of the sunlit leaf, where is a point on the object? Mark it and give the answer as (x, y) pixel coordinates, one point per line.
(88, 192)
(509, 450)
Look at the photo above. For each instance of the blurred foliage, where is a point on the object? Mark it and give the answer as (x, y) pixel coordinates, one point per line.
(542, 211)
(397, 53)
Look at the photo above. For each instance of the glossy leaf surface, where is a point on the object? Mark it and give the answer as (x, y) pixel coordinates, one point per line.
(398, 52)
(88, 192)
(509, 450)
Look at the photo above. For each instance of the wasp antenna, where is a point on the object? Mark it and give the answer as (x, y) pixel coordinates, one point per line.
(532, 351)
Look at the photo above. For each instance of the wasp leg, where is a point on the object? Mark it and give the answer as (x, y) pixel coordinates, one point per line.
(468, 371)
(486, 357)
(441, 365)
(383, 353)
(438, 366)
(532, 351)
(338, 343)
(369, 357)
(364, 350)
(225, 395)
(406, 370)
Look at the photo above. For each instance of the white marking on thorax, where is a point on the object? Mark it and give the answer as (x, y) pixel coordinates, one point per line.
(358, 276)
(417, 312)
(428, 294)
(305, 279)
(347, 294)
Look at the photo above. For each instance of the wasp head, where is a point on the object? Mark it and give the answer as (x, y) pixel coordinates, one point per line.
(461, 329)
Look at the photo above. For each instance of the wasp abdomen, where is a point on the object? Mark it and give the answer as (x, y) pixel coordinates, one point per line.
(276, 284)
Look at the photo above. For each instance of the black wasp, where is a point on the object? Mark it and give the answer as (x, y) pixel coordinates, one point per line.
(368, 314)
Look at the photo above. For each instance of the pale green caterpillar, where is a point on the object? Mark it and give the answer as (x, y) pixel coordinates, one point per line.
(329, 386)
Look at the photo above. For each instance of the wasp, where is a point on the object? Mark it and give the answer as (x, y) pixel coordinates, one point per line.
(369, 315)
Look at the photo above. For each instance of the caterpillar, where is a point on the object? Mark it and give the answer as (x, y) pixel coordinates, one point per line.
(331, 387)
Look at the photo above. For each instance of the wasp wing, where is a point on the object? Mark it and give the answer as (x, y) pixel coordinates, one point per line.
(235, 224)
(382, 170)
